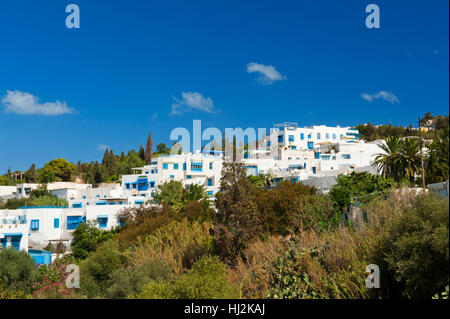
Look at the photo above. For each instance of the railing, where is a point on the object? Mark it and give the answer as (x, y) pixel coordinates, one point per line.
(36, 207)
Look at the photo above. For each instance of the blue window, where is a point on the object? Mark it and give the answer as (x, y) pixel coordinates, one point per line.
(294, 147)
(189, 176)
(210, 193)
(77, 205)
(327, 135)
(341, 136)
(100, 202)
(316, 155)
(74, 221)
(314, 170)
(172, 176)
(196, 166)
(165, 166)
(127, 185)
(280, 138)
(318, 136)
(184, 166)
(326, 157)
(302, 136)
(304, 165)
(56, 223)
(291, 138)
(210, 181)
(334, 136)
(142, 184)
(34, 224)
(102, 221)
(346, 156)
(134, 185)
(152, 184)
(175, 166)
(310, 145)
(210, 165)
(84, 197)
(139, 201)
(268, 143)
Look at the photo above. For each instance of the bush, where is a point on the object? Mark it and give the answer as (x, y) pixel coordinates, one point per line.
(178, 244)
(415, 253)
(206, 280)
(362, 186)
(17, 270)
(96, 270)
(130, 280)
(87, 237)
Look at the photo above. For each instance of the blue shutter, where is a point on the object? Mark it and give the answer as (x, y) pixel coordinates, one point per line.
(56, 223)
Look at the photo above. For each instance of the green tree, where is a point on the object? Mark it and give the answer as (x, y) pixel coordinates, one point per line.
(17, 270)
(438, 158)
(149, 149)
(359, 186)
(87, 237)
(237, 220)
(31, 175)
(59, 169)
(170, 193)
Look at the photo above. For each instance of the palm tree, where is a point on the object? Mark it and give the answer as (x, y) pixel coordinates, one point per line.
(400, 158)
(388, 161)
(410, 162)
(194, 192)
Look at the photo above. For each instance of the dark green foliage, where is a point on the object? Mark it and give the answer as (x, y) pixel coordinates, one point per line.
(130, 280)
(17, 270)
(237, 220)
(87, 237)
(359, 187)
(56, 170)
(415, 254)
(438, 160)
(96, 270)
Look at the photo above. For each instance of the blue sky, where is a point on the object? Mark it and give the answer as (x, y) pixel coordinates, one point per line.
(138, 66)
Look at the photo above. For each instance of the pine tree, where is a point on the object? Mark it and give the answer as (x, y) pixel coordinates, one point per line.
(30, 174)
(149, 149)
(141, 152)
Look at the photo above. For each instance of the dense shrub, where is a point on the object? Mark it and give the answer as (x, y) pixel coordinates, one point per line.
(179, 245)
(362, 187)
(87, 237)
(130, 280)
(415, 253)
(96, 270)
(206, 280)
(17, 270)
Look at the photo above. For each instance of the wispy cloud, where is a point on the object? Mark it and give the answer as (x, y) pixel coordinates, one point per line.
(387, 96)
(102, 147)
(27, 104)
(192, 101)
(267, 73)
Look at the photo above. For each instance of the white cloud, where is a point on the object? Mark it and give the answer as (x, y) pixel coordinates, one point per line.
(387, 96)
(192, 101)
(25, 103)
(103, 147)
(267, 73)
